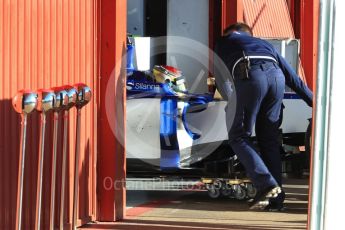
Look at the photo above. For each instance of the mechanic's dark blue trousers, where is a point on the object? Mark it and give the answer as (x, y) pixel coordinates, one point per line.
(259, 101)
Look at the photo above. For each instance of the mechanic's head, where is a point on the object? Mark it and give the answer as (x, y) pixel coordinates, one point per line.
(240, 27)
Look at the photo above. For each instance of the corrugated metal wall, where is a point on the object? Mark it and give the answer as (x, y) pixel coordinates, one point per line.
(45, 43)
(268, 18)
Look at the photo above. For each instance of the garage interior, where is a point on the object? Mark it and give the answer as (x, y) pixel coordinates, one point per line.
(168, 201)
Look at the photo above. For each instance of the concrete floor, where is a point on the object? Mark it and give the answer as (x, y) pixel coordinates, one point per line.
(185, 209)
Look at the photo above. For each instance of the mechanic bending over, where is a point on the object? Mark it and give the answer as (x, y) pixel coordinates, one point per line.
(260, 75)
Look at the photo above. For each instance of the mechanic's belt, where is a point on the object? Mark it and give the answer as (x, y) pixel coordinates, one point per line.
(251, 57)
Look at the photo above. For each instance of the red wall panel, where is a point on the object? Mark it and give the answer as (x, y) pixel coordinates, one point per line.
(232, 12)
(46, 43)
(112, 156)
(308, 29)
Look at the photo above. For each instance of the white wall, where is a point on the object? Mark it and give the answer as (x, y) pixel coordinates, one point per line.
(334, 200)
(189, 19)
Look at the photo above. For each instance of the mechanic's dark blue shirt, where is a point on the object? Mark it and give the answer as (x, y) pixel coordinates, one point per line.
(230, 49)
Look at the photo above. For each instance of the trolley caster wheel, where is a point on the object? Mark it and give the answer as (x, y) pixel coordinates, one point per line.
(226, 192)
(251, 190)
(213, 191)
(239, 192)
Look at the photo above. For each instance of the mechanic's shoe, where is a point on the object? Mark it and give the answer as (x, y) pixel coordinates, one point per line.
(261, 200)
(276, 204)
(275, 207)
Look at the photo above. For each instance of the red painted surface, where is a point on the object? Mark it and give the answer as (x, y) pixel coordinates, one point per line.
(232, 12)
(111, 156)
(308, 31)
(45, 44)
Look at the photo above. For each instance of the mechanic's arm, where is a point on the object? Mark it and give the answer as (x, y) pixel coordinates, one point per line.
(294, 81)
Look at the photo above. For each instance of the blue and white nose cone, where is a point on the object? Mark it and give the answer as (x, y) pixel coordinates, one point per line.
(163, 124)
